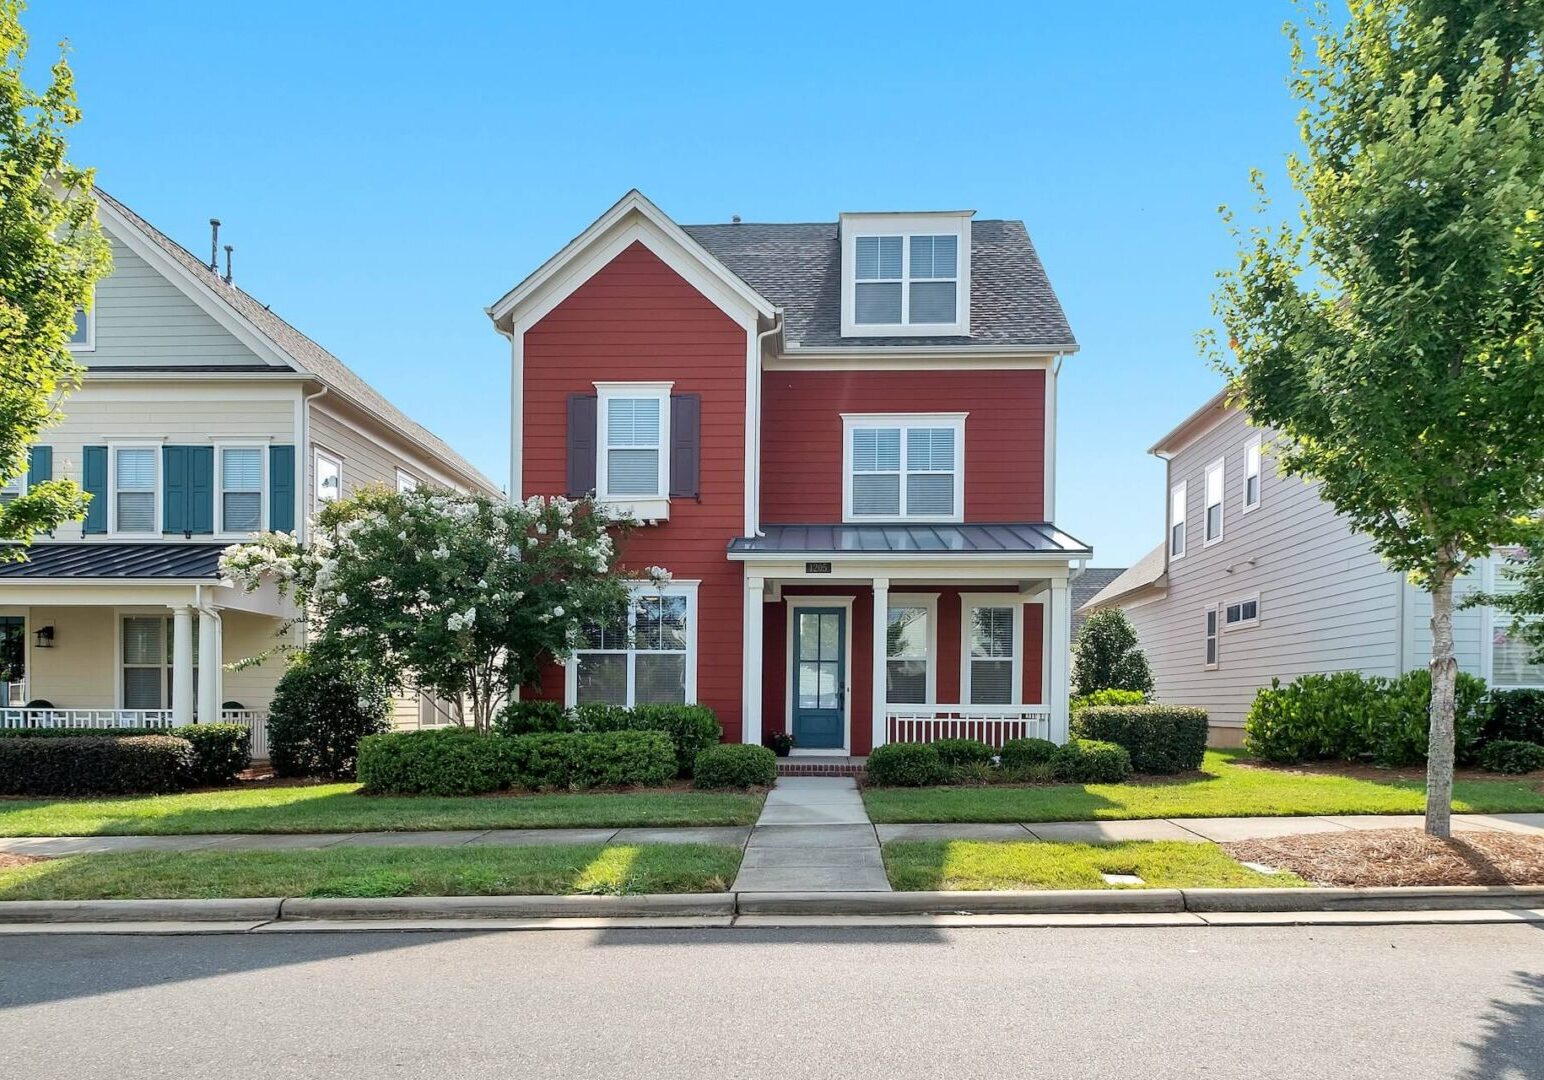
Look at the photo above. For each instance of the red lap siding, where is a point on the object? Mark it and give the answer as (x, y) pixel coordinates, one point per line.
(801, 457)
(637, 320)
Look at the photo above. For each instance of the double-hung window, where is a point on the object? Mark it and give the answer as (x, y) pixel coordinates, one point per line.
(909, 670)
(1214, 475)
(633, 466)
(147, 661)
(1511, 658)
(135, 479)
(83, 334)
(905, 467)
(1211, 637)
(1177, 499)
(241, 489)
(646, 655)
(906, 280)
(329, 477)
(1252, 474)
(992, 632)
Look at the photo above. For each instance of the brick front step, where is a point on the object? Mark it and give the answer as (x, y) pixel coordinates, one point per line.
(820, 766)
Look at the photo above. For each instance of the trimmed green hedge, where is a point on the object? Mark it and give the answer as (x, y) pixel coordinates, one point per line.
(531, 717)
(321, 709)
(1351, 717)
(447, 761)
(220, 751)
(1105, 697)
(1516, 716)
(577, 759)
(691, 728)
(958, 753)
(1091, 761)
(905, 765)
(100, 765)
(1160, 738)
(452, 761)
(1020, 754)
(1512, 756)
(735, 765)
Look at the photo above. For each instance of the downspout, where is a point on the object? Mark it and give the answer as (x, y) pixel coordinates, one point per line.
(205, 608)
(753, 393)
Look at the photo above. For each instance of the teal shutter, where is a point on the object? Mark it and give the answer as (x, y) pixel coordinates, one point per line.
(201, 490)
(40, 469)
(174, 489)
(281, 488)
(94, 480)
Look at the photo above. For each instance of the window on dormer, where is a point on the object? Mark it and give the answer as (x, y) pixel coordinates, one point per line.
(906, 280)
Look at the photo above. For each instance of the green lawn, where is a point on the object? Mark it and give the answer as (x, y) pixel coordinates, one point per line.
(971, 865)
(1224, 789)
(559, 870)
(339, 808)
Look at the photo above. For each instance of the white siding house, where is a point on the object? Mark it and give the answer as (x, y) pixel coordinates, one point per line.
(1272, 583)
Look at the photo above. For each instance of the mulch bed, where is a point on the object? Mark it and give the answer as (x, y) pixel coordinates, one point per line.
(1401, 857)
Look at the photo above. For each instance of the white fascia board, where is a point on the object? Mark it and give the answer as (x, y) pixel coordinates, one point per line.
(1044, 353)
(634, 203)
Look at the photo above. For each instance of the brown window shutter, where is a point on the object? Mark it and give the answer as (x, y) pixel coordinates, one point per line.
(582, 444)
(685, 445)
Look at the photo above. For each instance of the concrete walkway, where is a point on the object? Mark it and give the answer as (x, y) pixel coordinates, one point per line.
(1203, 830)
(813, 836)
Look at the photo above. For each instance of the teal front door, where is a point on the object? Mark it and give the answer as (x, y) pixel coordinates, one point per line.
(819, 678)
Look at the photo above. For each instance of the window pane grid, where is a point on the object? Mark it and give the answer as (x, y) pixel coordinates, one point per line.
(926, 458)
(913, 279)
(640, 659)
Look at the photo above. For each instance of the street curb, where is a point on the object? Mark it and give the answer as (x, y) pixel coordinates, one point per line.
(1045, 902)
(509, 907)
(64, 911)
(1394, 898)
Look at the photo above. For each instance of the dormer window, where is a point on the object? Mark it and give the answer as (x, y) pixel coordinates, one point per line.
(905, 275)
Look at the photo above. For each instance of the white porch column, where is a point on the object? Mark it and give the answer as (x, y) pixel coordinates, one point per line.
(877, 647)
(182, 664)
(750, 663)
(1060, 655)
(208, 667)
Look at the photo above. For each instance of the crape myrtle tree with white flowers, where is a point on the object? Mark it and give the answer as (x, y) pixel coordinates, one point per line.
(461, 596)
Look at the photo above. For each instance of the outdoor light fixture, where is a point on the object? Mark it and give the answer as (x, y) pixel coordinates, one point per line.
(45, 636)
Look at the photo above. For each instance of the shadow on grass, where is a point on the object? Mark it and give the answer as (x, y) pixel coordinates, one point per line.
(1511, 1045)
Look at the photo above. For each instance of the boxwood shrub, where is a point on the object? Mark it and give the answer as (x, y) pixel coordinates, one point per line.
(220, 751)
(905, 765)
(1512, 756)
(735, 765)
(1516, 715)
(1091, 761)
(95, 765)
(691, 729)
(1020, 754)
(575, 760)
(956, 753)
(1106, 697)
(447, 761)
(1159, 738)
(530, 717)
(321, 709)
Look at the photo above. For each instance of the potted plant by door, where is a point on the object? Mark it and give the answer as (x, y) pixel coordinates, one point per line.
(781, 742)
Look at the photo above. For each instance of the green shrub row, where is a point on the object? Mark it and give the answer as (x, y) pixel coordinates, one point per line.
(95, 765)
(735, 765)
(1512, 756)
(1159, 738)
(458, 762)
(1350, 716)
(1516, 716)
(220, 751)
(1078, 761)
(691, 728)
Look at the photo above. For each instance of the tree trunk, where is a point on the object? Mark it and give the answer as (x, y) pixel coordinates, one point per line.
(1444, 680)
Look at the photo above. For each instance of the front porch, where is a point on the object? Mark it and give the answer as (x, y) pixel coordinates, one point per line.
(974, 642)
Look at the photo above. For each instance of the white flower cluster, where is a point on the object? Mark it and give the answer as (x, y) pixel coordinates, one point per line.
(459, 621)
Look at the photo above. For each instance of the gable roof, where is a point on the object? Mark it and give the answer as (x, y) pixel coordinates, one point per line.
(1149, 572)
(798, 267)
(1090, 583)
(305, 355)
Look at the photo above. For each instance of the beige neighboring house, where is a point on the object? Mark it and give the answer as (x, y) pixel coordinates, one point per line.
(1259, 578)
(203, 417)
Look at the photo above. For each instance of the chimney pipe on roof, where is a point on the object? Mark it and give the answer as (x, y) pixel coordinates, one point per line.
(214, 244)
(228, 250)
(734, 219)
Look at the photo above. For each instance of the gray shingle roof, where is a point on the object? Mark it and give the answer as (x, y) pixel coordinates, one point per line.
(798, 268)
(305, 352)
(981, 539)
(1148, 571)
(137, 561)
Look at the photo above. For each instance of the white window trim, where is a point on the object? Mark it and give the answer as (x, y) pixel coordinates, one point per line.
(1253, 449)
(855, 421)
(219, 485)
(921, 600)
(167, 618)
(639, 507)
(89, 345)
(853, 226)
(1244, 624)
(1489, 576)
(412, 481)
(317, 455)
(970, 601)
(1182, 489)
(112, 487)
(687, 589)
(17, 485)
(1220, 468)
(792, 666)
(1214, 637)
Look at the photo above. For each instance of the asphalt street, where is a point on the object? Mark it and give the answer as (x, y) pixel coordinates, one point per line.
(1324, 1002)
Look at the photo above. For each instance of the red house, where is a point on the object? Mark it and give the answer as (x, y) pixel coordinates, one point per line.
(815, 423)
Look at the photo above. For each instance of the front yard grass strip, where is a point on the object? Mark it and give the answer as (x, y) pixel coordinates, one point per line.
(339, 808)
(974, 865)
(566, 870)
(1223, 788)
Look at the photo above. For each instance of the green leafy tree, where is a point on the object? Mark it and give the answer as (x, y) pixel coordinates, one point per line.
(51, 253)
(1106, 656)
(461, 596)
(1391, 334)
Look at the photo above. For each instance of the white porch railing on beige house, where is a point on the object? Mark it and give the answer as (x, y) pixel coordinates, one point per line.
(992, 724)
(254, 720)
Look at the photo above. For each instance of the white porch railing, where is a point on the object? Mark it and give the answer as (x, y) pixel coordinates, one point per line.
(254, 720)
(992, 724)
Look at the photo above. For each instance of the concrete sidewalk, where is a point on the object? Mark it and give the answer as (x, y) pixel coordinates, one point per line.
(813, 835)
(1203, 830)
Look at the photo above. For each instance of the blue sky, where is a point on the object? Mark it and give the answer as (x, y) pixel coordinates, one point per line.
(383, 178)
